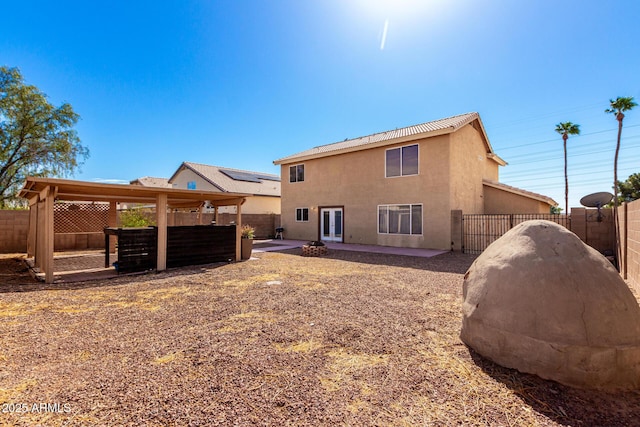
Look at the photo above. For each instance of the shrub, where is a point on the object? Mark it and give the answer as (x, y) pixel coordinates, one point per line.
(247, 231)
(135, 218)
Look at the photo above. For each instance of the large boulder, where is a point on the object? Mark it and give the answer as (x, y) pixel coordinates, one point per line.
(541, 301)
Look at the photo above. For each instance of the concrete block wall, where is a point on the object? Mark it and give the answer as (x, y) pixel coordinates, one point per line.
(265, 224)
(629, 215)
(597, 233)
(14, 227)
(78, 241)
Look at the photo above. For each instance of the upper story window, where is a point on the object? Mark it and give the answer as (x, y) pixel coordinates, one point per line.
(191, 185)
(402, 161)
(296, 173)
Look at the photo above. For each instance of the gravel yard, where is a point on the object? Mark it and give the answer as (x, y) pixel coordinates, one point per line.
(351, 339)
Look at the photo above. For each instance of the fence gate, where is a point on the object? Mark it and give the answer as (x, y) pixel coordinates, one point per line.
(480, 230)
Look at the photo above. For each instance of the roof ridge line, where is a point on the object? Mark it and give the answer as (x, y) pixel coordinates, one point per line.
(397, 129)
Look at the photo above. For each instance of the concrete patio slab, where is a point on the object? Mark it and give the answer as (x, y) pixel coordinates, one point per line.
(281, 245)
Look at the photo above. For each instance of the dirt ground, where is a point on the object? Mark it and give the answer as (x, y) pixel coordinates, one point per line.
(351, 339)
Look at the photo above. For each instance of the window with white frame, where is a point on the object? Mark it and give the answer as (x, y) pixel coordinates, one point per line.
(302, 214)
(296, 173)
(401, 161)
(400, 219)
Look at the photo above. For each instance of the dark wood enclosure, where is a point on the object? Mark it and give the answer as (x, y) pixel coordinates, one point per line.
(200, 244)
(186, 245)
(137, 248)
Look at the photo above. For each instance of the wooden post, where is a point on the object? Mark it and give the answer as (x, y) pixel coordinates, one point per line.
(49, 196)
(161, 221)
(112, 221)
(239, 231)
(33, 222)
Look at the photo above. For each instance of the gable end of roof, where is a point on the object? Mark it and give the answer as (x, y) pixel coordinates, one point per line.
(234, 180)
(519, 191)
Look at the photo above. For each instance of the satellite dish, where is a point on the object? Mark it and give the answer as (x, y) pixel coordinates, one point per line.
(596, 200)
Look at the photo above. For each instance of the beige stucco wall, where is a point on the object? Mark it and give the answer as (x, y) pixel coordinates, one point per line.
(253, 205)
(357, 182)
(470, 164)
(498, 201)
(186, 175)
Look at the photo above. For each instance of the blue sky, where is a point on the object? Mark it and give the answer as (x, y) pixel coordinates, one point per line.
(241, 83)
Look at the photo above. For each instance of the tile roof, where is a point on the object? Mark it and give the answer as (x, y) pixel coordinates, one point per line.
(235, 180)
(149, 181)
(520, 191)
(436, 127)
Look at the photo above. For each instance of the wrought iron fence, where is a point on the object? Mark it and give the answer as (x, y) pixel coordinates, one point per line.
(480, 230)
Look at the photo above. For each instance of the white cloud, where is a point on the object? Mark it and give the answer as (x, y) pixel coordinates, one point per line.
(110, 181)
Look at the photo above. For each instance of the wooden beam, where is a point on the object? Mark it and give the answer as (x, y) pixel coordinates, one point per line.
(161, 221)
(228, 202)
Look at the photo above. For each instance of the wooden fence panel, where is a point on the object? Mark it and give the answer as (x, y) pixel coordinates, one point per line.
(200, 244)
(137, 249)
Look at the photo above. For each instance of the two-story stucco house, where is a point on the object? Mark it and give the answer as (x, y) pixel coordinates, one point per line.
(398, 188)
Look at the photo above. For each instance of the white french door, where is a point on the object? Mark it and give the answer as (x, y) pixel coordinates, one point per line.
(331, 222)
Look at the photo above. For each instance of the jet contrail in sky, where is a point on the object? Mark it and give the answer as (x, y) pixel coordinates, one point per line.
(384, 34)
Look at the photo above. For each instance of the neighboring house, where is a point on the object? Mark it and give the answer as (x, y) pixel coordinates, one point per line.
(398, 188)
(264, 187)
(149, 181)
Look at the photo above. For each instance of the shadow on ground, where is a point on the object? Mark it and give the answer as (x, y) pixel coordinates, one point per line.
(566, 405)
(15, 277)
(449, 262)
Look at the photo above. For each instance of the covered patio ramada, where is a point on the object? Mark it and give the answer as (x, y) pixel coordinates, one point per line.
(43, 192)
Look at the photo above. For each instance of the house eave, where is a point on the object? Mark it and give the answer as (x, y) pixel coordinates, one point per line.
(519, 192)
(497, 159)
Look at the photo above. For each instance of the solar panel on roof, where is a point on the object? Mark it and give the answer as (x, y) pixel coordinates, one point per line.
(249, 176)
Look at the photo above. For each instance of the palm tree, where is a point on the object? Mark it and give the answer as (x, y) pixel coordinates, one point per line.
(618, 107)
(565, 129)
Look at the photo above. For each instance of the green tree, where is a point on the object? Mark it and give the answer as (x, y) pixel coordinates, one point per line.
(629, 189)
(36, 138)
(555, 210)
(565, 129)
(618, 108)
